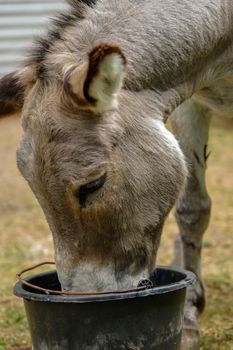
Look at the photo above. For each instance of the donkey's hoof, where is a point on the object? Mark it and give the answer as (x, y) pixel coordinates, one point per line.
(190, 339)
(190, 334)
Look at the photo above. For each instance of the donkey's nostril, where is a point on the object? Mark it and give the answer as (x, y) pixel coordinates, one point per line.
(90, 188)
(66, 288)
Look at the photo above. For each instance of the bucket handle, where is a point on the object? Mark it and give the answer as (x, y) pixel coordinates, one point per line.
(66, 293)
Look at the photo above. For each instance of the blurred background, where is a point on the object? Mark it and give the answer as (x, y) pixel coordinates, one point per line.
(20, 21)
(24, 235)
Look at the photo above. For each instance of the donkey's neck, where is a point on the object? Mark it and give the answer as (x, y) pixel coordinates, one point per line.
(167, 43)
(164, 41)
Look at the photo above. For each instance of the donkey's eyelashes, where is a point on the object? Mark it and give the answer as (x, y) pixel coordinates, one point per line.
(90, 188)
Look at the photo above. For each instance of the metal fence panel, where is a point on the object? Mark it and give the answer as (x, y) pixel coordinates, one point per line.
(20, 21)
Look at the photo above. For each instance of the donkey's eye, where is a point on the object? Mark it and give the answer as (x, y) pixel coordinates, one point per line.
(90, 188)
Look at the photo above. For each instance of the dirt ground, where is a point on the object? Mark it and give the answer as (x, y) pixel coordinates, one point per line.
(25, 239)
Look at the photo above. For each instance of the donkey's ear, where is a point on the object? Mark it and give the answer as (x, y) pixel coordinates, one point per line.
(11, 93)
(95, 84)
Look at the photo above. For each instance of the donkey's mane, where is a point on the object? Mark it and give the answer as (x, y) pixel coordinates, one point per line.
(43, 44)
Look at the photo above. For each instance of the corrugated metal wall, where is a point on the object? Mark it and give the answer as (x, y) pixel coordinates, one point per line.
(20, 20)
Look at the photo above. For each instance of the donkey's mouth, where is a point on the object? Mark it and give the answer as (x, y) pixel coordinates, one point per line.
(90, 278)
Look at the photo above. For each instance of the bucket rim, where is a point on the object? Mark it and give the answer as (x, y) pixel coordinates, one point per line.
(188, 279)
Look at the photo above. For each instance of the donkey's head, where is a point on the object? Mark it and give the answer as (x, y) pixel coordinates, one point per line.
(105, 170)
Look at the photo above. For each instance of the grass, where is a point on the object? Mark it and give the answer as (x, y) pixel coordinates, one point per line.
(25, 239)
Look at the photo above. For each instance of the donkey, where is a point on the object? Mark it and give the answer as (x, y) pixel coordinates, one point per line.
(94, 96)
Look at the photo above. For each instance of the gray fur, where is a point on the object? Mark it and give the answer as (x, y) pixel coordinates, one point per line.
(175, 50)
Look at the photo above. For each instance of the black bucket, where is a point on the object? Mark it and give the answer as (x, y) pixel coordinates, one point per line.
(148, 319)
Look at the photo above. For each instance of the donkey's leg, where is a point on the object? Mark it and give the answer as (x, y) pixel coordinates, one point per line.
(191, 125)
